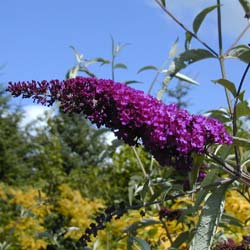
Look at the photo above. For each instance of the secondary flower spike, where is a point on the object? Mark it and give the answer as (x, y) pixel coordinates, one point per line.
(171, 135)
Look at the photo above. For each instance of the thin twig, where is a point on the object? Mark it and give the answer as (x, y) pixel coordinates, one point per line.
(185, 28)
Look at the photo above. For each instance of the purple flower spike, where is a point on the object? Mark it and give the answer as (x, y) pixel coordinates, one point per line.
(169, 134)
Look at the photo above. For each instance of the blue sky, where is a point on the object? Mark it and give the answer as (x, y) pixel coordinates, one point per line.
(36, 36)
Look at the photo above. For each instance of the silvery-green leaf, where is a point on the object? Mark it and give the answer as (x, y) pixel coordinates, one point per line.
(173, 50)
(241, 52)
(186, 78)
(209, 219)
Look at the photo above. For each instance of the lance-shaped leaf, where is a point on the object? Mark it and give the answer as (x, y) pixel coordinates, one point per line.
(201, 16)
(188, 57)
(209, 219)
(197, 23)
(186, 78)
(174, 49)
(228, 85)
(241, 52)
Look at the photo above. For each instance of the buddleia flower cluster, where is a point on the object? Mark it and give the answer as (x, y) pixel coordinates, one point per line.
(170, 134)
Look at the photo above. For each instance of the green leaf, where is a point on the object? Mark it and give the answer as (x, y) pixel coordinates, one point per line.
(242, 109)
(228, 85)
(148, 67)
(209, 219)
(241, 52)
(143, 244)
(140, 224)
(246, 6)
(120, 66)
(185, 78)
(201, 16)
(242, 142)
(188, 57)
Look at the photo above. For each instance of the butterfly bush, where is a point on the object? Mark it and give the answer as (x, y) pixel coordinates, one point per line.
(170, 134)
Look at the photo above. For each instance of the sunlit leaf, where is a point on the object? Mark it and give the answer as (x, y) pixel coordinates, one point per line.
(173, 50)
(186, 78)
(201, 16)
(148, 67)
(241, 52)
(209, 219)
(228, 85)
